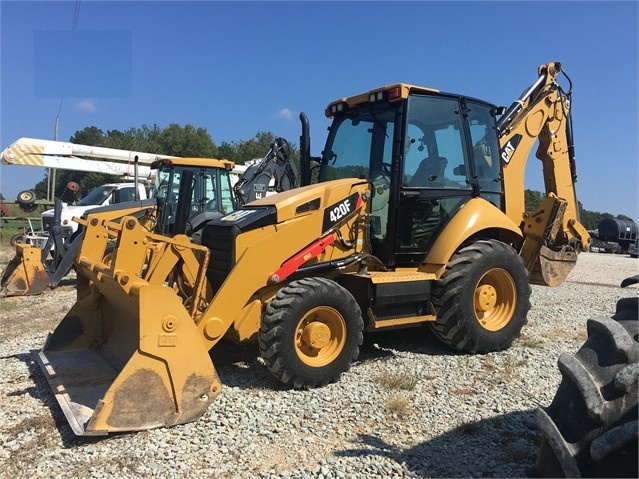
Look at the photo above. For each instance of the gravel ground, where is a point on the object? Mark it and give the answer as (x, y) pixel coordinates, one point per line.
(408, 407)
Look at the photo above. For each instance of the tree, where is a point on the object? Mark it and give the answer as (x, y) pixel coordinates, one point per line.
(186, 141)
(589, 219)
(533, 199)
(242, 151)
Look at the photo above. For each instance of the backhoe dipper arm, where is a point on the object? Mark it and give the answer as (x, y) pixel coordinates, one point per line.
(543, 113)
(277, 166)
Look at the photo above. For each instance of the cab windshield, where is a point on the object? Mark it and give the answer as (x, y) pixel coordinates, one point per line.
(97, 196)
(359, 143)
(211, 192)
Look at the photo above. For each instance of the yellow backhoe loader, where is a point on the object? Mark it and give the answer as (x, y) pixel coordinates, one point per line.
(413, 215)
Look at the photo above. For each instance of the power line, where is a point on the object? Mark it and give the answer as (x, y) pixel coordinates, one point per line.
(51, 176)
(76, 14)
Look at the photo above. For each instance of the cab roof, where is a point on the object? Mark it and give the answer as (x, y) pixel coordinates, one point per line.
(391, 93)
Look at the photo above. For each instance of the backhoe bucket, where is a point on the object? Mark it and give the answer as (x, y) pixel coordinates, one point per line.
(127, 360)
(552, 267)
(25, 274)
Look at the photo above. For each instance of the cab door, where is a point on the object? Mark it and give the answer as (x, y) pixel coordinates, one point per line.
(434, 174)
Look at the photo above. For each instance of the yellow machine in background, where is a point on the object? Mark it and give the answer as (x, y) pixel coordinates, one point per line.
(219, 186)
(413, 215)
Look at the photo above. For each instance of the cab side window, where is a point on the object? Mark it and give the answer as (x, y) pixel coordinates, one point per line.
(485, 148)
(434, 144)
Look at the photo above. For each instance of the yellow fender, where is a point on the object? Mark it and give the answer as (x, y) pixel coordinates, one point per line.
(475, 216)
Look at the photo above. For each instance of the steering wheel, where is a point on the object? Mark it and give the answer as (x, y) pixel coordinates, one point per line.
(211, 205)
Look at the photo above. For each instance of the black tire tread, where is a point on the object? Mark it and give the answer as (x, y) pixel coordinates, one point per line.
(563, 450)
(591, 424)
(449, 288)
(274, 324)
(571, 367)
(614, 440)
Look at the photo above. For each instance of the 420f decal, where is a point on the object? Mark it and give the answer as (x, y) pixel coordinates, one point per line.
(340, 210)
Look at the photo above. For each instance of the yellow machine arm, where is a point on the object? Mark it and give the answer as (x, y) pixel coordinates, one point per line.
(553, 235)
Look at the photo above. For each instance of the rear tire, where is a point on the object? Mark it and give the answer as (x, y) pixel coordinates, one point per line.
(482, 299)
(311, 333)
(590, 428)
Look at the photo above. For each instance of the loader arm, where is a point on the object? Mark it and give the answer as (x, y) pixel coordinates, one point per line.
(31, 272)
(553, 235)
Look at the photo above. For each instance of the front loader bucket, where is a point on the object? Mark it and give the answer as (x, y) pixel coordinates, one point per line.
(123, 361)
(25, 274)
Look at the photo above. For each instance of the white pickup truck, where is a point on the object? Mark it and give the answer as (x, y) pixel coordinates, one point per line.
(103, 195)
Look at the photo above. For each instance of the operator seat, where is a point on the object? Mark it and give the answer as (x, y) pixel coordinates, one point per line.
(430, 172)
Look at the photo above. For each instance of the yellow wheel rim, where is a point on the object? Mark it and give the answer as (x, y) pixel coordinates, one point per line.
(320, 336)
(495, 299)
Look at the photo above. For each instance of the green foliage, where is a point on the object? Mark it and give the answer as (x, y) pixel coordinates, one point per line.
(589, 219)
(242, 151)
(533, 199)
(174, 140)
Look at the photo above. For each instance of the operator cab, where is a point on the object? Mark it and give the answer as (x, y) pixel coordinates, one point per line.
(211, 192)
(426, 154)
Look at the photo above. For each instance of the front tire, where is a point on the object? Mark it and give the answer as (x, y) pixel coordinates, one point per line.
(311, 333)
(482, 299)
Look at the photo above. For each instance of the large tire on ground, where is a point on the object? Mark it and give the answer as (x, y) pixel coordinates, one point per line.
(311, 333)
(590, 428)
(482, 299)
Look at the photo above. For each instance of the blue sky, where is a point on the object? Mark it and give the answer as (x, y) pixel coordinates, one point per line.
(237, 68)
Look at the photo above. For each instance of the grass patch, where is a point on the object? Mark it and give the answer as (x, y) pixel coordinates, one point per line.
(578, 335)
(489, 365)
(468, 427)
(6, 306)
(520, 454)
(404, 381)
(398, 405)
(508, 369)
(466, 391)
(529, 342)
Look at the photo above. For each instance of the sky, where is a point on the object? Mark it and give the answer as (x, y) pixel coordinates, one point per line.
(239, 68)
